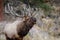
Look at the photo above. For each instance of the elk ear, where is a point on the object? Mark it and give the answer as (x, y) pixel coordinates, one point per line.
(25, 18)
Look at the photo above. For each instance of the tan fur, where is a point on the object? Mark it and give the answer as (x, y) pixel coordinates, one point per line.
(18, 29)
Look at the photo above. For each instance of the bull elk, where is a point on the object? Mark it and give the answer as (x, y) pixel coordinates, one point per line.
(19, 29)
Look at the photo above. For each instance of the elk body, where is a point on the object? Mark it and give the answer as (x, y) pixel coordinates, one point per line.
(18, 29)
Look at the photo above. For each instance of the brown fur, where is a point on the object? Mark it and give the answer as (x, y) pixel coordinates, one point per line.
(23, 28)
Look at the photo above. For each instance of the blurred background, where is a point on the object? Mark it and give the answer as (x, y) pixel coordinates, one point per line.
(47, 13)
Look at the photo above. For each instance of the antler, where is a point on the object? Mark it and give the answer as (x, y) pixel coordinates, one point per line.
(33, 13)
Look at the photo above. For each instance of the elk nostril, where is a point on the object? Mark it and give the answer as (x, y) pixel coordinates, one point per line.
(34, 19)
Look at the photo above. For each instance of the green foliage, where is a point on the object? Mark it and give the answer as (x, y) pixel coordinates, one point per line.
(39, 3)
(45, 6)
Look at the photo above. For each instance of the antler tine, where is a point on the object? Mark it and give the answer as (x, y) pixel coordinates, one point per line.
(35, 12)
(32, 13)
(27, 14)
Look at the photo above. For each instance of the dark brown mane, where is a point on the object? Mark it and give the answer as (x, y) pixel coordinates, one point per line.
(25, 27)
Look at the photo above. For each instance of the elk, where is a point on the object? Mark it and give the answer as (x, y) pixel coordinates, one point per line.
(19, 28)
